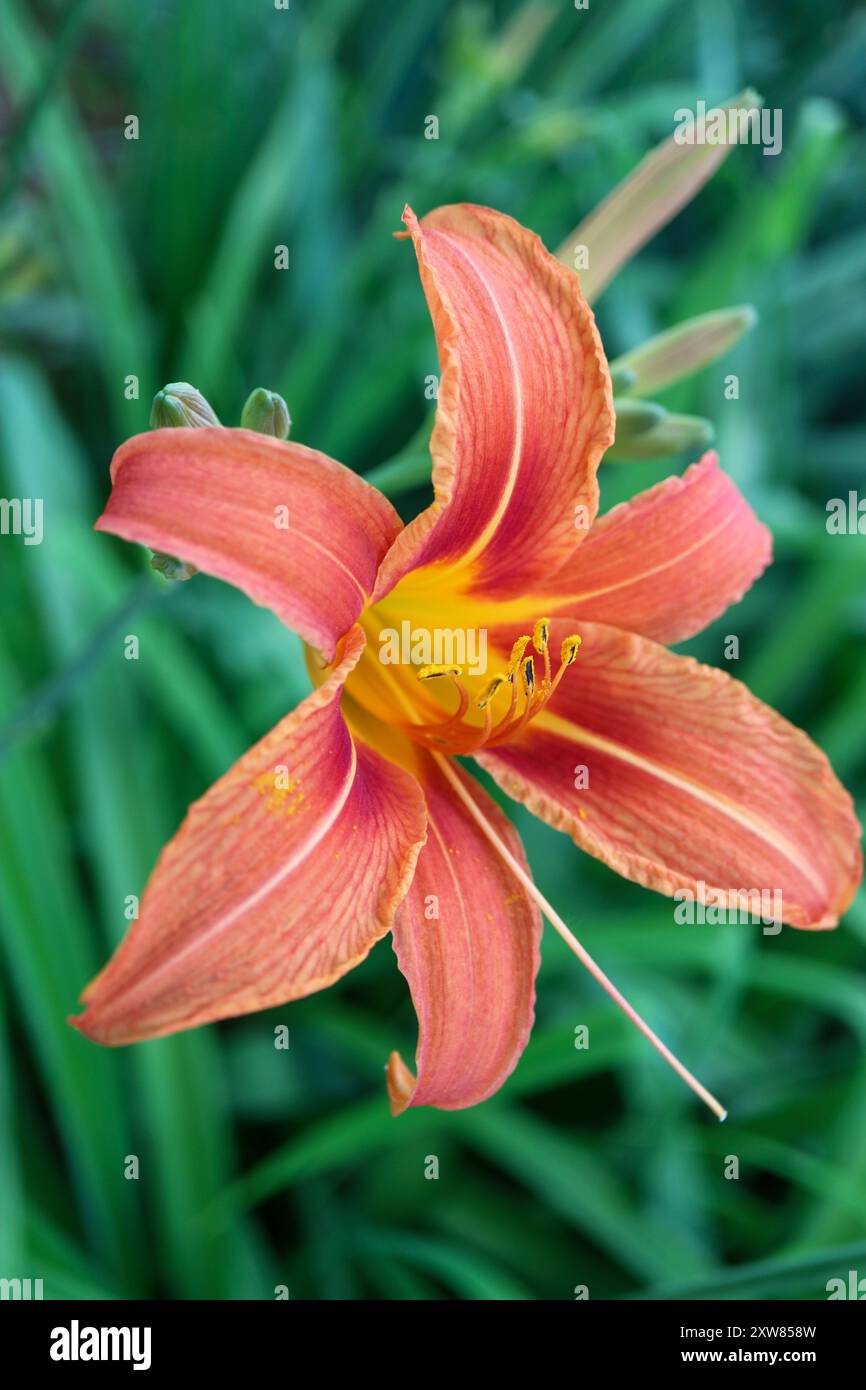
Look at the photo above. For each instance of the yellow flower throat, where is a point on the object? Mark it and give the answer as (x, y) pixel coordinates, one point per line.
(453, 705)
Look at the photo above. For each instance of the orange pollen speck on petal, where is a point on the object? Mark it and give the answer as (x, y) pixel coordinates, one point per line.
(283, 793)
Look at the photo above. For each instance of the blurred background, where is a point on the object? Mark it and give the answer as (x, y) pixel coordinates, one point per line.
(153, 258)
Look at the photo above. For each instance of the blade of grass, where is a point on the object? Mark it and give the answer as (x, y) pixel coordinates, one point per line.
(795, 1273)
(466, 1273)
(87, 223)
(118, 786)
(11, 1208)
(568, 1178)
(59, 54)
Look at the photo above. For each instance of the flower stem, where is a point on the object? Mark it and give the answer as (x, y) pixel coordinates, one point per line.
(572, 942)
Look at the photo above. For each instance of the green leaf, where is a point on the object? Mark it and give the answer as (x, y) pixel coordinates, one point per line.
(466, 1273)
(88, 225)
(805, 1273)
(573, 1181)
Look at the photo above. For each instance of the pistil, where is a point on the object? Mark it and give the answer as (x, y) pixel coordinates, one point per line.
(571, 940)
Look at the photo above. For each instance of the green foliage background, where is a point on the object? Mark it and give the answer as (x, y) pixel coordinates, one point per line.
(155, 257)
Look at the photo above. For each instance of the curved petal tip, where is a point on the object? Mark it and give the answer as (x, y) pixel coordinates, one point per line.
(401, 1083)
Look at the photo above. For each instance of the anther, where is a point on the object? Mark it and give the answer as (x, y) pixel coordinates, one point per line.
(495, 685)
(540, 635)
(516, 654)
(429, 673)
(567, 656)
(540, 638)
(569, 649)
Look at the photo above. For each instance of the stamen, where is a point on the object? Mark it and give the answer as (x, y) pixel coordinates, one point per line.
(540, 635)
(512, 704)
(520, 673)
(528, 672)
(485, 703)
(495, 685)
(517, 654)
(567, 656)
(540, 640)
(429, 673)
(569, 649)
(571, 940)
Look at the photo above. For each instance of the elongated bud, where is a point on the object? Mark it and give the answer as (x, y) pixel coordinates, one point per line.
(673, 434)
(646, 200)
(622, 378)
(678, 352)
(636, 417)
(266, 413)
(179, 405)
(170, 568)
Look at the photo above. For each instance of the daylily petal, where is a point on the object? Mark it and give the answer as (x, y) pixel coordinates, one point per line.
(524, 409)
(295, 530)
(471, 968)
(691, 780)
(280, 879)
(669, 561)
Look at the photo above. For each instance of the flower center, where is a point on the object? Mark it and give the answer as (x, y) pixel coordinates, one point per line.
(432, 683)
(507, 702)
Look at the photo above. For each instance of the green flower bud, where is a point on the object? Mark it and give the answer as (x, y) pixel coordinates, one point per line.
(170, 568)
(636, 417)
(266, 413)
(179, 405)
(672, 434)
(680, 351)
(622, 378)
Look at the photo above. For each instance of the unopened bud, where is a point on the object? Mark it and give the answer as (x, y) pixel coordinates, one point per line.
(636, 417)
(266, 413)
(678, 352)
(622, 378)
(170, 568)
(673, 434)
(179, 406)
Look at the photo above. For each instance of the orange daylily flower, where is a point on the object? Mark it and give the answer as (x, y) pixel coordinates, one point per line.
(351, 817)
